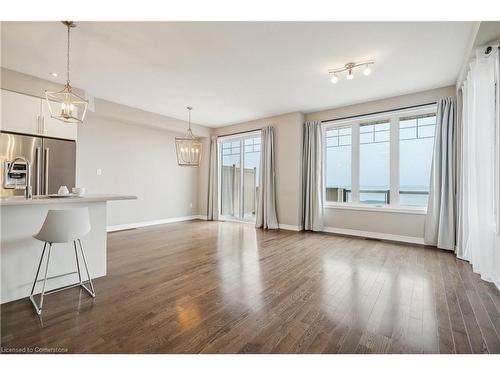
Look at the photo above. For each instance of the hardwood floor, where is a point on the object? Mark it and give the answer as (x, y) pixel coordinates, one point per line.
(208, 287)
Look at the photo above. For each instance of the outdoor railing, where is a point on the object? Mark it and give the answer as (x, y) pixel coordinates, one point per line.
(337, 194)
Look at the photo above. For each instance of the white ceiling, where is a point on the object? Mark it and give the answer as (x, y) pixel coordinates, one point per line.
(236, 71)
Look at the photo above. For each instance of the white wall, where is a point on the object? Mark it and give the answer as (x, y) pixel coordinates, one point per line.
(288, 133)
(288, 163)
(136, 152)
(395, 224)
(135, 160)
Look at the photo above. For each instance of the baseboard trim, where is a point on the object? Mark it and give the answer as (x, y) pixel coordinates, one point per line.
(295, 228)
(361, 233)
(376, 235)
(115, 228)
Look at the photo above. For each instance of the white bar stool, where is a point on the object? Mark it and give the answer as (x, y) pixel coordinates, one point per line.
(63, 226)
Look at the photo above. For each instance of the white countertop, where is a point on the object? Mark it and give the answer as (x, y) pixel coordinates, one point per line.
(43, 199)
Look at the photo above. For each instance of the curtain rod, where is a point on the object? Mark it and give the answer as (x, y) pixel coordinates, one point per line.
(336, 119)
(488, 49)
(237, 133)
(379, 112)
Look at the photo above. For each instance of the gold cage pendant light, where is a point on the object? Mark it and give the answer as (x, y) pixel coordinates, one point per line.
(188, 148)
(65, 105)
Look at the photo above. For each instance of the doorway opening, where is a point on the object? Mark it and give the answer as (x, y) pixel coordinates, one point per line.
(239, 164)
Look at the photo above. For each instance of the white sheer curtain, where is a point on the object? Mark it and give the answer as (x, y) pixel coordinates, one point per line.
(478, 238)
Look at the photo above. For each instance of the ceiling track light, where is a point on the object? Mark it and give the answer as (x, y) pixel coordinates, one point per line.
(349, 68)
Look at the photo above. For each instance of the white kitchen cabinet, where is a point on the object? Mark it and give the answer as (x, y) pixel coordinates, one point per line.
(21, 113)
(55, 128)
(30, 115)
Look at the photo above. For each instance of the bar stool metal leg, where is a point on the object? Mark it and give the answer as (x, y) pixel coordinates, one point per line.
(77, 224)
(36, 278)
(45, 277)
(92, 291)
(38, 308)
(77, 264)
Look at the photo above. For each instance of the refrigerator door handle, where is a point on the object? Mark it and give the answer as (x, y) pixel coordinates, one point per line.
(46, 171)
(37, 171)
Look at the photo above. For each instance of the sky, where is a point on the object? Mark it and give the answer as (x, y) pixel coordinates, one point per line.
(414, 164)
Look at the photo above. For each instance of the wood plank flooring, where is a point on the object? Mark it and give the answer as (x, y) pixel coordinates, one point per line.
(209, 287)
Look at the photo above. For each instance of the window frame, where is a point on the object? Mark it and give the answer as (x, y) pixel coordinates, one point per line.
(240, 137)
(354, 122)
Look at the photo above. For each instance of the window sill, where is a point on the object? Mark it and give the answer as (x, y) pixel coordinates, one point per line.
(365, 207)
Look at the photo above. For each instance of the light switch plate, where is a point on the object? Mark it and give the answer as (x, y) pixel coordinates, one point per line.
(99, 171)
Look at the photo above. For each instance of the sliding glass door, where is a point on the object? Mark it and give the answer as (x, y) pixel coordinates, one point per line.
(239, 176)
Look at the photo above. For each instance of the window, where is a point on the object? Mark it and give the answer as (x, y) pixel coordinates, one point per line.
(380, 160)
(416, 141)
(239, 176)
(230, 179)
(251, 162)
(338, 164)
(374, 162)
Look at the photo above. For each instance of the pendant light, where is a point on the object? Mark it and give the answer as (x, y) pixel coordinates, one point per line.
(189, 147)
(65, 105)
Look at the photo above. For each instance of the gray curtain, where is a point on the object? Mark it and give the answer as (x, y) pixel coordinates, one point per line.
(213, 179)
(312, 180)
(266, 216)
(440, 220)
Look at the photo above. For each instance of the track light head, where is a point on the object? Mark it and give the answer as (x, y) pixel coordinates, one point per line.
(349, 68)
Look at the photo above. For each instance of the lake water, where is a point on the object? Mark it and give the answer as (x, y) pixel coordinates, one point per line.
(408, 198)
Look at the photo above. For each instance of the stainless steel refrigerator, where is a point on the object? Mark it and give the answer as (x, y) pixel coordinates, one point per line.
(53, 163)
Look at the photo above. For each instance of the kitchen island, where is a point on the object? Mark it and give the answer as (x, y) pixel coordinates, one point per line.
(21, 218)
